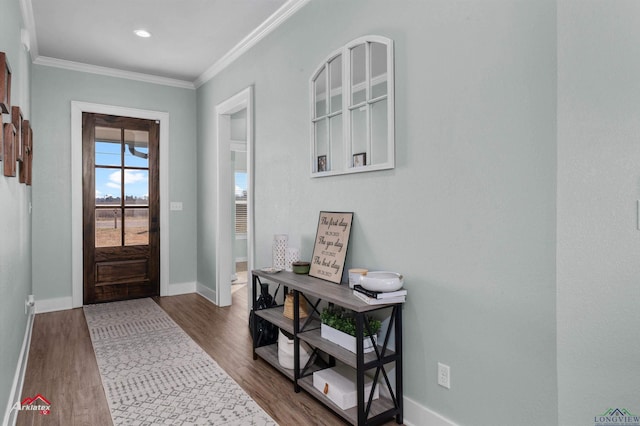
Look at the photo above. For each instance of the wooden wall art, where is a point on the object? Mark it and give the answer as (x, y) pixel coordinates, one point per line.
(16, 119)
(30, 157)
(22, 175)
(330, 251)
(5, 84)
(9, 149)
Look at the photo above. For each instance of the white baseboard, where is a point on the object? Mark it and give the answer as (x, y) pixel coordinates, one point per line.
(206, 292)
(181, 288)
(419, 415)
(10, 415)
(52, 305)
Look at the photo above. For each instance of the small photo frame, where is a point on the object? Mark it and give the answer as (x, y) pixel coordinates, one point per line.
(9, 149)
(5, 84)
(360, 159)
(322, 163)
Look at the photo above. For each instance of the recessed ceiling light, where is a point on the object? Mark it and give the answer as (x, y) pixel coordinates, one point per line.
(142, 33)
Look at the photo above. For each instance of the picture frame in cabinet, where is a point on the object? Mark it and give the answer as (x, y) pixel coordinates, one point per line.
(17, 119)
(322, 163)
(9, 136)
(330, 249)
(360, 159)
(5, 84)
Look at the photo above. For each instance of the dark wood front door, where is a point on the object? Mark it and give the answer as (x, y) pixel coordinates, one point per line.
(121, 214)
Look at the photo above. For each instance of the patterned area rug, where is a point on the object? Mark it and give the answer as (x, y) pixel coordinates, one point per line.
(153, 373)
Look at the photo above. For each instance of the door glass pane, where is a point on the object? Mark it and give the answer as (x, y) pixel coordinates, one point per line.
(136, 187)
(108, 147)
(378, 66)
(335, 69)
(136, 148)
(358, 74)
(107, 186)
(136, 227)
(320, 90)
(108, 227)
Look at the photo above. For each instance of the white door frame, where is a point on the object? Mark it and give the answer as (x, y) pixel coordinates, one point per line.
(77, 108)
(224, 241)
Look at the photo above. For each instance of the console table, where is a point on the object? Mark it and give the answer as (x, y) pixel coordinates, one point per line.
(379, 362)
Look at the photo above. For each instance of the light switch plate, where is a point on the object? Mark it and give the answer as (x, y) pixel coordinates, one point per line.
(175, 206)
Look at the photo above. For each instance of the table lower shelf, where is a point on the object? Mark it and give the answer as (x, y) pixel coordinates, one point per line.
(378, 406)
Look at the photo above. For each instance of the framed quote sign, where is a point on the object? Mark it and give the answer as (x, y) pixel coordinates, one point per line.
(330, 250)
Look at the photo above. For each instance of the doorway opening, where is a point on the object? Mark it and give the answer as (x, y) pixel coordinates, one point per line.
(235, 245)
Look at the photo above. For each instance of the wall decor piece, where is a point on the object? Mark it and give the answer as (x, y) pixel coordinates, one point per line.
(5, 84)
(22, 173)
(29, 154)
(330, 250)
(9, 149)
(16, 119)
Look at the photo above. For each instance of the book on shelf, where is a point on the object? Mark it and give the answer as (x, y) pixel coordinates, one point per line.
(380, 294)
(374, 301)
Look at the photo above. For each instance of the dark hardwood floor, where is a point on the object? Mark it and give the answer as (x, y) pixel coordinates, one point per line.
(62, 366)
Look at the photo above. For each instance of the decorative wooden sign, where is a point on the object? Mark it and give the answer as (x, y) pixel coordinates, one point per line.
(330, 251)
(24, 164)
(16, 119)
(5, 84)
(9, 150)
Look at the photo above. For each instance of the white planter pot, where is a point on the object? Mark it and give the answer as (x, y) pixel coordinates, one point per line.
(345, 340)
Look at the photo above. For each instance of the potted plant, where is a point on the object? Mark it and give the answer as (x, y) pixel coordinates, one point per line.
(339, 327)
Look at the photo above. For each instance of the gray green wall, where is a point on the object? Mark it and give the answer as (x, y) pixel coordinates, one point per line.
(53, 91)
(15, 221)
(598, 187)
(467, 215)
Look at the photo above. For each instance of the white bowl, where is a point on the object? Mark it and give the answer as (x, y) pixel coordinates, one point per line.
(382, 281)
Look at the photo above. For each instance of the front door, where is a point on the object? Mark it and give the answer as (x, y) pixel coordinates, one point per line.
(121, 215)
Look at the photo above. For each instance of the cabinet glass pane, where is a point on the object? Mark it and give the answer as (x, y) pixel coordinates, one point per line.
(321, 138)
(335, 73)
(359, 131)
(136, 227)
(108, 227)
(358, 74)
(320, 92)
(136, 187)
(108, 147)
(136, 148)
(379, 150)
(378, 66)
(337, 147)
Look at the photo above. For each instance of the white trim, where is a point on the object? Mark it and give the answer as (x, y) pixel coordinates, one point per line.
(56, 304)
(10, 416)
(224, 258)
(181, 288)
(416, 414)
(77, 108)
(206, 292)
(26, 8)
(270, 24)
(111, 72)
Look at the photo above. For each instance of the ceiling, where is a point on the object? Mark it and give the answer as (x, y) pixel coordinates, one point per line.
(191, 40)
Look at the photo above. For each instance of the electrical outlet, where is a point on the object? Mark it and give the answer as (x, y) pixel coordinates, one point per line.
(444, 375)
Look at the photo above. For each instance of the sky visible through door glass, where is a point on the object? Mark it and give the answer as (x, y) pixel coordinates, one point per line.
(108, 180)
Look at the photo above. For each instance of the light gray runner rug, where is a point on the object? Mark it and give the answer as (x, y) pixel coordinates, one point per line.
(153, 373)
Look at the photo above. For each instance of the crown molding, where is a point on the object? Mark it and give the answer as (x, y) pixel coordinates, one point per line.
(270, 24)
(112, 72)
